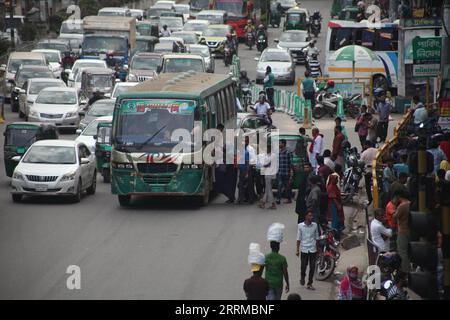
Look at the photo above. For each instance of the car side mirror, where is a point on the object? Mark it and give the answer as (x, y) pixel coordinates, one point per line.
(3, 67)
(276, 40)
(16, 158)
(78, 132)
(83, 102)
(84, 161)
(256, 58)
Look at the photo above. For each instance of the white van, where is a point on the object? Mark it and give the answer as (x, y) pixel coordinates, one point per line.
(16, 59)
(114, 12)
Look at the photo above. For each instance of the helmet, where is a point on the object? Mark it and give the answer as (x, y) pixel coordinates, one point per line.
(249, 21)
(260, 27)
(330, 83)
(317, 12)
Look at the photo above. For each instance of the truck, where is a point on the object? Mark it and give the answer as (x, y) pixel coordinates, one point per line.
(105, 34)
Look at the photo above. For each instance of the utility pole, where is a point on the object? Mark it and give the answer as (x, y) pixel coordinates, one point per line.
(11, 17)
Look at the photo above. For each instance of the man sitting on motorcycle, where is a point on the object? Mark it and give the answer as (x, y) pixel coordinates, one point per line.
(244, 79)
(261, 31)
(317, 16)
(249, 27)
(229, 43)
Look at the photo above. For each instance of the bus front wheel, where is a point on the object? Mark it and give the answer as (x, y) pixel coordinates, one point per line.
(124, 200)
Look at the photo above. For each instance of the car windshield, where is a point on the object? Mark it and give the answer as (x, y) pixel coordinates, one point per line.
(91, 129)
(287, 2)
(79, 64)
(101, 81)
(112, 13)
(55, 46)
(152, 130)
(104, 44)
(50, 155)
(195, 27)
(204, 52)
(214, 19)
(57, 97)
(276, 56)
(188, 38)
(216, 32)
(141, 63)
(37, 87)
(121, 89)
(142, 45)
(25, 75)
(16, 63)
(293, 37)
(52, 56)
(171, 23)
(182, 9)
(296, 17)
(101, 108)
(182, 65)
(156, 12)
(21, 137)
(71, 27)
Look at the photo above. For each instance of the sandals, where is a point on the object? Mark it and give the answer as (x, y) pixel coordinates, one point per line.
(262, 205)
(273, 206)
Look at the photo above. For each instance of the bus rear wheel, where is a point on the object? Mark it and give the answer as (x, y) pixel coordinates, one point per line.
(124, 200)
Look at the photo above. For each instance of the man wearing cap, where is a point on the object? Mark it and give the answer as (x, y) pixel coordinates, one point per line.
(256, 287)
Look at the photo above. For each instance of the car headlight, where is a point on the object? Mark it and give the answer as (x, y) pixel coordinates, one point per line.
(71, 114)
(68, 176)
(289, 69)
(34, 113)
(17, 175)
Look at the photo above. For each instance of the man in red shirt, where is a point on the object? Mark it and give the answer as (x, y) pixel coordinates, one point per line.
(256, 287)
(445, 145)
(338, 151)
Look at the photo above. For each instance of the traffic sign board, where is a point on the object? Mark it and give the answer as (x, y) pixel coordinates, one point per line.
(427, 49)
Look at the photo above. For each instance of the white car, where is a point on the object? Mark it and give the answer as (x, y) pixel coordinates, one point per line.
(87, 135)
(184, 9)
(170, 40)
(198, 26)
(53, 59)
(54, 168)
(30, 90)
(122, 87)
(137, 13)
(83, 63)
(60, 106)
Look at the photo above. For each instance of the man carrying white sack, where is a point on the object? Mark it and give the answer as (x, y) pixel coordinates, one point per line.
(256, 287)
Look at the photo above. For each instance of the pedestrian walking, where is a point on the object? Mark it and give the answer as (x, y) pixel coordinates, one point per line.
(323, 170)
(307, 242)
(362, 125)
(367, 156)
(388, 175)
(335, 213)
(308, 88)
(301, 147)
(269, 82)
(372, 132)
(276, 269)
(246, 185)
(285, 173)
(351, 288)
(338, 122)
(314, 197)
(401, 215)
(327, 159)
(256, 287)
(268, 171)
(338, 149)
(383, 109)
(316, 148)
(303, 191)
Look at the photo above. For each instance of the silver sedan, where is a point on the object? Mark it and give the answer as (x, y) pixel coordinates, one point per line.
(281, 63)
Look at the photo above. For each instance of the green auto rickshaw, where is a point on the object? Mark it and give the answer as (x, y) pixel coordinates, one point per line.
(296, 19)
(103, 149)
(147, 28)
(19, 136)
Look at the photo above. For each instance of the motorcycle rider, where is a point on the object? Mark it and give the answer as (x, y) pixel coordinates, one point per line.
(317, 16)
(165, 32)
(262, 32)
(110, 61)
(312, 49)
(249, 27)
(67, 62)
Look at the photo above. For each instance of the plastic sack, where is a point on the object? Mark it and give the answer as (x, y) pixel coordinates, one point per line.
(275, 232)
(254, 254)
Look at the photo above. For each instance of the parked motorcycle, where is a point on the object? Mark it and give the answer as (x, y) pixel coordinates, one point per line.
(315, 27)
(261, 43)
(328, 253)
(250, 40)
(389, 263)
(326, 103)
(352, 176)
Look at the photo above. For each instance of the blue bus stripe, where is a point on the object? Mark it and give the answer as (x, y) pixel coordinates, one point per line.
(394, 59)
(386, 68)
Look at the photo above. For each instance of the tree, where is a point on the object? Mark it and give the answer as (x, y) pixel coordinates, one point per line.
(89, 8)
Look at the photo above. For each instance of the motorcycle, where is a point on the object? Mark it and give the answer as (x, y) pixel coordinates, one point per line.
(228, 56)
(326, 103)
(328, 254)
(389, 263)
(261, 43)
(246, 95)
(315, 27)
(352, 176)
(250, 40)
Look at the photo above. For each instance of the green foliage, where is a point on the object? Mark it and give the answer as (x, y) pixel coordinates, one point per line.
(89, 7)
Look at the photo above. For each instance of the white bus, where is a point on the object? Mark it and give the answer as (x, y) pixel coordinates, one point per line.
(382, 39)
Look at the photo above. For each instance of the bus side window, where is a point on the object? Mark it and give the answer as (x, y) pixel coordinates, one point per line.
(367, 38)
(387, 40)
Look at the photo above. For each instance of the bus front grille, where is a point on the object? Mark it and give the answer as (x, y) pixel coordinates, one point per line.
(157, 167)
(157, 179)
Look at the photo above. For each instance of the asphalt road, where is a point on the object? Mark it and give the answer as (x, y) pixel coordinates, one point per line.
(159, 249)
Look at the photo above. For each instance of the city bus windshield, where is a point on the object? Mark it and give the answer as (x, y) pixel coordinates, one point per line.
(104, 44)
(235, 7)
(148, 125)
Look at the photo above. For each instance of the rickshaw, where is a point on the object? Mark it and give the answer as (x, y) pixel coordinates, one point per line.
(146, 43)
(147, 28)
(275, 16)
(19, 136)
(97, 79)
(103, 149)
(296, 19)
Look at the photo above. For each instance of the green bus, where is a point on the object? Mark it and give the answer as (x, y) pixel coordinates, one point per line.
(143, 162)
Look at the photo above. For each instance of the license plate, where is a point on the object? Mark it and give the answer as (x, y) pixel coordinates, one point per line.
(41, 188)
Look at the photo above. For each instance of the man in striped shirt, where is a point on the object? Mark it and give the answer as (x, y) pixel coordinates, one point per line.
(314, 66)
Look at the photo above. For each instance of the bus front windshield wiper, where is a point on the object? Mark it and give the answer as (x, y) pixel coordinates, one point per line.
(141, 145)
